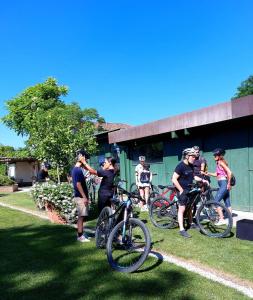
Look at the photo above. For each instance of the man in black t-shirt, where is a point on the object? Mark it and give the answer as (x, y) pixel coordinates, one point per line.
(199, 164)
(182, 177)
(43, 172)
(107, 172)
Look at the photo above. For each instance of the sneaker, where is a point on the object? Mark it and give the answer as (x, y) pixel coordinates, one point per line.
(144, 208)
(86, 236)
(194, 226)
(82, 239)
(221, 222)
(184, 233)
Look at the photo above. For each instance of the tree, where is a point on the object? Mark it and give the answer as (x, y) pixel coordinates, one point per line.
(32, 102)
(55, 130)
(245, 89)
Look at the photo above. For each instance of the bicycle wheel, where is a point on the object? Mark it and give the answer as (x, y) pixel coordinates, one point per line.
(162, 214)
(151, 198)
(128, 245)
(207, 219)
(103, 228)
(133, 187)
(154, 188)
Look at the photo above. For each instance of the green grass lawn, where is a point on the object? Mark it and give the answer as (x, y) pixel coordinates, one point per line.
(39, 260)
(18, 199)
(229, 255)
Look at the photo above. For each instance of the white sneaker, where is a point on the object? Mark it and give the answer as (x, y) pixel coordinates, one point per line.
(82, 239)
(221, 222)
(144, 208)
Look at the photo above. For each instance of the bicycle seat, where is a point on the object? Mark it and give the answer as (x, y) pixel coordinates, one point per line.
(162, 187)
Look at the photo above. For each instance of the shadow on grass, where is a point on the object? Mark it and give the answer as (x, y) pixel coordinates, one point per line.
(46, 262)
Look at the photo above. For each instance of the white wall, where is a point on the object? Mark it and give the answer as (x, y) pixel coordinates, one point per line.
(25, 171)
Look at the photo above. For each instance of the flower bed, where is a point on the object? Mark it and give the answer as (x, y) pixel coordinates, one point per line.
(56, 199)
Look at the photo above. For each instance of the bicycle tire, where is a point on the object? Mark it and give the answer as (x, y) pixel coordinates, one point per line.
(129, 255)
(207, 218)
(152, 197)
(103, 228)
(163, 214)
(133, 187)
(154, 188)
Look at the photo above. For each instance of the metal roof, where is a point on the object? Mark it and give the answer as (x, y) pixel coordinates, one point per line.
(234, 109)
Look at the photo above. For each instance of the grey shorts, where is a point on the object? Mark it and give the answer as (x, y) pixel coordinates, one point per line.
(82, 209)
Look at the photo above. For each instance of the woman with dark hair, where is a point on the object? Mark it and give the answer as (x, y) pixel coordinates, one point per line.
(107, 172)
(223, 174)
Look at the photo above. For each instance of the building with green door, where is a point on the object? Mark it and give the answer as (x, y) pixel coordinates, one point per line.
(227, 125)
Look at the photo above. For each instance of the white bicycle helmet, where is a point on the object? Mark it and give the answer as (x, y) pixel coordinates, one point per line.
(189, 151)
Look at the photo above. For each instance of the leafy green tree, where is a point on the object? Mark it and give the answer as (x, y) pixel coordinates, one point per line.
(32, 102)
(245, 89)
(55, 130)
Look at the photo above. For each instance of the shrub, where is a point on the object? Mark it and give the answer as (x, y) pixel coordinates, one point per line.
(59, 195)
(5, 180)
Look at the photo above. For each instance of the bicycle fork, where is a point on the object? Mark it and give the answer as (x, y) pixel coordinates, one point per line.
(124, 238)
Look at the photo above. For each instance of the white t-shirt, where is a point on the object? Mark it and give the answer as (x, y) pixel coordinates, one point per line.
(138, 169)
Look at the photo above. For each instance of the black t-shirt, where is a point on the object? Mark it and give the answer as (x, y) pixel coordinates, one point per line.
(106, 184)
(77, 176)
(197, 165)
(185, 173)
(42, 175)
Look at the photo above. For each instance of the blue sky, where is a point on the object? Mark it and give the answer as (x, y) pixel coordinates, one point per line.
(134, 61)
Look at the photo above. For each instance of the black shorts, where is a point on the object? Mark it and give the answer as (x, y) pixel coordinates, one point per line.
(183, 199)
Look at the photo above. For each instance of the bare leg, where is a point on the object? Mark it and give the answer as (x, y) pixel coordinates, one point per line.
(146, 193)
(80, 222)
(142, 196)
(180, 216)
(220, 213)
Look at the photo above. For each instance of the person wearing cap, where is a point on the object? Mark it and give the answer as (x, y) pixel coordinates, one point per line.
(144, 182)
(138, 170)
(107, 172)
(43, 172)
(182, 178)
(80, 195)
(223, 175)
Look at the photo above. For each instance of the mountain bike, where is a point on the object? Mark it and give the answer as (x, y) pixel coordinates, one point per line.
(127, 239)
(163, 211)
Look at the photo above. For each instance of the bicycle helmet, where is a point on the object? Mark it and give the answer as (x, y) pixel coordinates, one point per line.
(219, 152)
(142, 158)
(189, 151)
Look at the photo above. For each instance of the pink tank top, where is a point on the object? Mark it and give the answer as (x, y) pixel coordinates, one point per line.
(220, 171)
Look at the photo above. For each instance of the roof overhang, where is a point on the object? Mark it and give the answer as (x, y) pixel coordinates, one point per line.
(233, 109)
(17, 159)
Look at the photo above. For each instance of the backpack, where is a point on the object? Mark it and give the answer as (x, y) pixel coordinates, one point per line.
(145, 177)
(232, 180)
